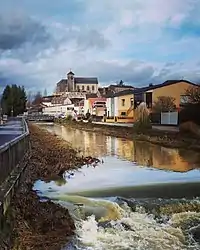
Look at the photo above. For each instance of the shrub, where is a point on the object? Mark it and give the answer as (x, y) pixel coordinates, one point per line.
(69, 118)
(142, 119)
(190, 112)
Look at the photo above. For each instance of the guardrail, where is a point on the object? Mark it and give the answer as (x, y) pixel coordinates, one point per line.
(45, 118)
(13, 152)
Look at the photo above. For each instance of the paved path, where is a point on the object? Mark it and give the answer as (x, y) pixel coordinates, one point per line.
(158, 127)
(10, 130)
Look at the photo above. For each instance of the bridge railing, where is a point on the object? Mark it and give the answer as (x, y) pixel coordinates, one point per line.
(11, 153)
(40, 117)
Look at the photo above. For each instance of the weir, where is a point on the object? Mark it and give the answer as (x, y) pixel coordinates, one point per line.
(14, 145)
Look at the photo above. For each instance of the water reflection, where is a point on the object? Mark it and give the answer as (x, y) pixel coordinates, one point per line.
(143, 153)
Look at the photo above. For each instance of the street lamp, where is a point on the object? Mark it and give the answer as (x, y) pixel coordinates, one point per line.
(12, 112)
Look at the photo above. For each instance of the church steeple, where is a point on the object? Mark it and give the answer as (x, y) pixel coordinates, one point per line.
(70, 72)
(70, 81)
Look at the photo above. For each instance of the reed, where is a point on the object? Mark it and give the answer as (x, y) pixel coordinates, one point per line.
(142, 118)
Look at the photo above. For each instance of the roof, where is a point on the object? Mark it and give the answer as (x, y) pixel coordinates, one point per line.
(62, 81)
(86, 80)
(91, 96)
(121, 86)
(121, 93)
(47, 98)
(70, 73)
(166, 83)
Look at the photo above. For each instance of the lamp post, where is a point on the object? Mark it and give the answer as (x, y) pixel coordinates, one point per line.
(12, 112)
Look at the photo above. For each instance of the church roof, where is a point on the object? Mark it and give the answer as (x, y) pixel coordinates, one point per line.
(86, 80)
(70, 73)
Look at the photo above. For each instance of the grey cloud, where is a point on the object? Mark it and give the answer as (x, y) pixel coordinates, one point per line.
(112, 72)
(17, 30)
(84, 38)
(170, 64)
(92, 39)
(174, 74)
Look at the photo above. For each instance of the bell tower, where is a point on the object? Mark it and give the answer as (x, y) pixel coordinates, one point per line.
(70, 82)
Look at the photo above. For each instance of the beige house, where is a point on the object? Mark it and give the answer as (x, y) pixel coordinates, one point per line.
(77, 84)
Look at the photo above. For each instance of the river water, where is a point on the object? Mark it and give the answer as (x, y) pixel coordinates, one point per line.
(140, 196)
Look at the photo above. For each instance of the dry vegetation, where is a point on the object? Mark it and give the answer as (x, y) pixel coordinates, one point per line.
(42, 225)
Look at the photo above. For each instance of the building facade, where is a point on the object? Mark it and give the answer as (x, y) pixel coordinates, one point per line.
(77, 84)
(128, 100)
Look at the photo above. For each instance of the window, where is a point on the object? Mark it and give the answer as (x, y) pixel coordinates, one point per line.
(123, 102)
(132, 102)
(123, 113)
(92, 87)
(184, 99)
(83, 87)
(88, 88)
(78, 88)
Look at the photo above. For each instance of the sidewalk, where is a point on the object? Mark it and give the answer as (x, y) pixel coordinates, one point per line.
(158, 127)
(10, 130)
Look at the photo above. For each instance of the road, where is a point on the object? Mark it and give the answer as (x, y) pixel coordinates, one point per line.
(9, 131)
(158, 127)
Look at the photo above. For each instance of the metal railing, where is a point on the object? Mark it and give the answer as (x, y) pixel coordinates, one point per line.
(12, 152)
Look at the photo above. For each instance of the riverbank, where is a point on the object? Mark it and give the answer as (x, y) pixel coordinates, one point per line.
(35, 224)
(168, 139)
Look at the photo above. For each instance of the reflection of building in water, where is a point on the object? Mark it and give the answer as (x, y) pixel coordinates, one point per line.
(88, 142)
(112, 145)
(159, 157)
(125, 149)
(145, 154)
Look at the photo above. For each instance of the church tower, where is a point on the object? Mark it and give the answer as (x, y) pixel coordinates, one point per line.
(70, 82)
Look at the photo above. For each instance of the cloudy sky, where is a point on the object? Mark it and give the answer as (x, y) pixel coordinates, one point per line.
(138, 41)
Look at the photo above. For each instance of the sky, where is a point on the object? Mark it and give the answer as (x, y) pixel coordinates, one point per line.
(137, 41)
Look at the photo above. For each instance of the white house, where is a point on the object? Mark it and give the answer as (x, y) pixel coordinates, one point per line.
(112, 106)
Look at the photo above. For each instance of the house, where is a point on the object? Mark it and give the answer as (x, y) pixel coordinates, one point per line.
(112, 89)
(95, 105)
(125, 102)
(77, 84)
(120, 106)
(171, 88)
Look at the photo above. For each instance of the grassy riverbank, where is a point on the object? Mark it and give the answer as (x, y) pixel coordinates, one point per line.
(169, 139)
(42, 225)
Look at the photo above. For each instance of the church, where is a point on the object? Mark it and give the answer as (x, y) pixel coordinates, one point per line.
(77, 84)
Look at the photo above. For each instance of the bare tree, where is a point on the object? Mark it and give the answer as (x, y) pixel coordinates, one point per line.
(164, 104)
(193, 94)
(38, 99)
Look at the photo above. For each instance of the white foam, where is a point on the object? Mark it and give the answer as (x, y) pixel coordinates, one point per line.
(142, 232)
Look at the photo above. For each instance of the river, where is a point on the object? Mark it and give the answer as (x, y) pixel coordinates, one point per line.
(140, 196)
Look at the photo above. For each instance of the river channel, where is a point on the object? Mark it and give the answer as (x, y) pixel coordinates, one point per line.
(140, 195)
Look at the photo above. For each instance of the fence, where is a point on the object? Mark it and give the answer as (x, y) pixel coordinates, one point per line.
(12, 152)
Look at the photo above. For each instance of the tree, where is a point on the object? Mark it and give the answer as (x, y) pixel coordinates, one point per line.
(121, 83)
(13, 100)
(164, 104)
(193, 94)
(38, 99)
(45, 93)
